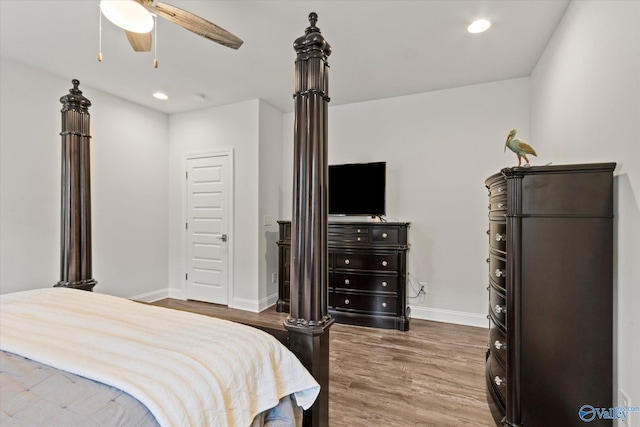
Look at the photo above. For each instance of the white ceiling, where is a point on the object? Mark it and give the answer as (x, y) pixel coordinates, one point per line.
(381, 48)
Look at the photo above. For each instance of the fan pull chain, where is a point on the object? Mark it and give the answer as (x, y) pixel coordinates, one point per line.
(100, 38)
(155, 42)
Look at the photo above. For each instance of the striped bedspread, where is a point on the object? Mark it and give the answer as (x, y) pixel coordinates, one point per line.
(187, 369)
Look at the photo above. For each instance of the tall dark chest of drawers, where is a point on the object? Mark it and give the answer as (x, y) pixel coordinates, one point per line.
(550, 294)
(367, 273)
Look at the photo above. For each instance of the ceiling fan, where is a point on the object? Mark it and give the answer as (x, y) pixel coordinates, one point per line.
(136, 18)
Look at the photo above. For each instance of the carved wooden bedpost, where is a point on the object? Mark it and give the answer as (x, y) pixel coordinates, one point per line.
(309, 320)
(75, 233)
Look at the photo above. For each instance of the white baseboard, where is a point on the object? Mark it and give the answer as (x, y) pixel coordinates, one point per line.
(160, 294)
(153, 296)
(255, 306)
(449, 316)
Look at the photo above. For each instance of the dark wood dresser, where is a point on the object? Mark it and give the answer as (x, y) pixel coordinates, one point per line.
(550, 287)
(367, 273)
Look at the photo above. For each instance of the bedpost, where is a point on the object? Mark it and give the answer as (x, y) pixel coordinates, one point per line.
(309, 320)
(75, 213)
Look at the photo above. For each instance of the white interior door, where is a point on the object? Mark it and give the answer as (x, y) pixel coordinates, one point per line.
(208, 195)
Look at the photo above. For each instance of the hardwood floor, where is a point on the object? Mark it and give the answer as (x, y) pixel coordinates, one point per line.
(432, 375)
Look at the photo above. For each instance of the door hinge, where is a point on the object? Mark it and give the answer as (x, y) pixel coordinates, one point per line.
(186, 175)
(186, 225)
(186, 276)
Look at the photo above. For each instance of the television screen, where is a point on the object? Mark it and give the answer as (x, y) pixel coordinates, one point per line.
(357, 189)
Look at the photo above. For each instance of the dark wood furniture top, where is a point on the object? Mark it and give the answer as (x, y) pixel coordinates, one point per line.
(550, 294)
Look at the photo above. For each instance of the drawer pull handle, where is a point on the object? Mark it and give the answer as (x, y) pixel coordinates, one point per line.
(384, 284)
(384, 304)
(346, 301)
(346, 281)
(499, 273)
(384, 263)
(500, 309)
(384, 235)
(499, 345)
(499, 381)
(501, 237)
(500, 189)
(346, 261)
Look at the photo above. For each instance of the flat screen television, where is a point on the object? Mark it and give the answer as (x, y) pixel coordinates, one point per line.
(357, 189)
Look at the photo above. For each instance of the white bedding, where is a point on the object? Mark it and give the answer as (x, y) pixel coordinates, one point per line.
(189, 370)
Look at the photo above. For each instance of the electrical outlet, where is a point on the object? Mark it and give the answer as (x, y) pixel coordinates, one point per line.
(274, 277)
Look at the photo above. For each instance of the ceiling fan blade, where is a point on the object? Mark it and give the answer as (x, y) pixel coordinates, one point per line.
(140, 42)
(198, 25)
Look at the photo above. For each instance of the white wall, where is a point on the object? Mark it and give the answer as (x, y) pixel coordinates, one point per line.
(270, 193)
(129, 186)
(439, 148)
(236, 127)
(586, 108)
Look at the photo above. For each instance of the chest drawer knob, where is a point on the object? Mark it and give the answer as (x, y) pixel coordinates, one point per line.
(499, 273)
(346, 281)
(346, 301)
(384, 304)
(499, 381)
(384, 235)
(499, 345)
(359, 230)
(346, 261)
(384, 263)
(501, 237)
(384, 284)
(359, 238)
(500, 309)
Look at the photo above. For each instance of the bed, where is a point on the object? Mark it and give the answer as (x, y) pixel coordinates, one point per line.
(69, 356)
(126, 345)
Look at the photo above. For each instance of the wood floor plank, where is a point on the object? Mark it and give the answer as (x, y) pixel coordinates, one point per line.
(431, 375)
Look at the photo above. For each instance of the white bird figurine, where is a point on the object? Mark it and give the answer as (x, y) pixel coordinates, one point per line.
(521, 148)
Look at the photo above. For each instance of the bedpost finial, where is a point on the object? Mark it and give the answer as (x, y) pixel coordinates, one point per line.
(74, 99)
(75, 89)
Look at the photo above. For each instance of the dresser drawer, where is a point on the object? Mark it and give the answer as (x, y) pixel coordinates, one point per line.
(498, 235)
(498, 377)
(498, 343)
(357, 261)
(498, 189)
(389, 235)
(497, 304)
(365, 282)
(369, 303)
(498, 204)
(348, 234)
(497, 269)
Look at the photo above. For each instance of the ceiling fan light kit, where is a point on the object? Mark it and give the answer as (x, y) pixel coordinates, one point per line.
(136, 17)
(128, 15)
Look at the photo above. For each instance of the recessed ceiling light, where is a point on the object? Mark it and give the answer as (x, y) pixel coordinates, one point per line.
(479, 26)
(160, 95)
